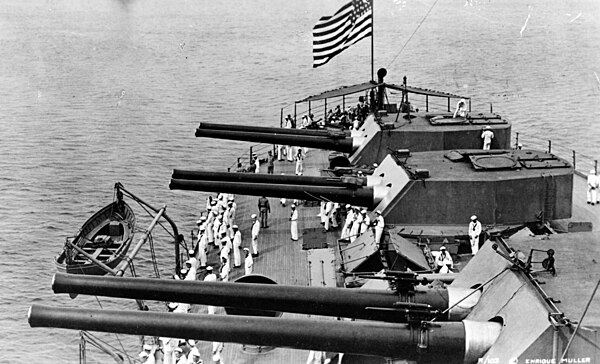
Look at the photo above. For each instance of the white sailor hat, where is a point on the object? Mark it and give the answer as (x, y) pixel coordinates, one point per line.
(192, 342)
(253, 216)
(184, 270)
(143, 355)
(147, 347)
(462, 101)
(234, 227)
(246, 249)
(209, 268)
(443, 248)
(199, 221)
(191, 252)
(293, 205)
(363, 211)
(473, 217)
(230, 198)
(348, 205)
(375, 165)
(488, 127)
(179, 349)
(172, 305)
(378, 212)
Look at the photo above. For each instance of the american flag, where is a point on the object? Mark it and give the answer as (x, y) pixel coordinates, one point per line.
(333, 34)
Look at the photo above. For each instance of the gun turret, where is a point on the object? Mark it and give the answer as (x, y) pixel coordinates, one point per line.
(368, 197)
(336, 142)
(333, 133)
(448, 342)
(273, 178)
(337, 302)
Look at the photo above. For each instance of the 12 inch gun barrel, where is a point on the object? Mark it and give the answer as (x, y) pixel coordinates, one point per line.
(337, 302)
(360, 196)
(451, 342)
(344, 145)
(268, 178)
(264, 129)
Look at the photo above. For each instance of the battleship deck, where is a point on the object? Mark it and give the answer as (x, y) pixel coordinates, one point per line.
(285, 261)
(280, 258)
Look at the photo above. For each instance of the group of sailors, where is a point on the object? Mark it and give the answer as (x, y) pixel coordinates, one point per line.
(216, 230)
(357, 221)
(174, 352)
(443, 259)
(351, 119)
(487, 134)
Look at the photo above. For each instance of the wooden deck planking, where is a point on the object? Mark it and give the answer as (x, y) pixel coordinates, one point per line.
(280, 259)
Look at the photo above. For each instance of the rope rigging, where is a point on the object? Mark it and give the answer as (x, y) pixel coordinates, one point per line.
(411, 36)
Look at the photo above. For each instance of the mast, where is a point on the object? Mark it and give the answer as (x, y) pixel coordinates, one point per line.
(372, 41)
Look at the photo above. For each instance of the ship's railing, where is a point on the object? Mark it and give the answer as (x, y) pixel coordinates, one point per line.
(582, 164)
(393, 100)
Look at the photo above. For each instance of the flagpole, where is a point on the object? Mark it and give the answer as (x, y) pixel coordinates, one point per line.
(372, 41)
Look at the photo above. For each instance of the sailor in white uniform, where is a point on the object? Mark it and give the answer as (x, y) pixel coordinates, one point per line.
(299, 162)
(192, 266)
(348, 223)
(444, 261)
(226, 250)
(379, 225)
(216, 352)
(248, 262)
(294, 223)
(474, 231)
(356, 224)
(225, 269)
(255, 231)
(237, 244)
(366, 222)
(210, 277)
(202, 248)
(487, 137)
(461, 108)
(592, 187)
(232, 207)
(256, 163)
(327, 215)
(334, 214)
(210, 220)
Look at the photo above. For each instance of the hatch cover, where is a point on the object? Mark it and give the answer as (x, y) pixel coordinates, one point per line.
(545, 163)
(493, 162)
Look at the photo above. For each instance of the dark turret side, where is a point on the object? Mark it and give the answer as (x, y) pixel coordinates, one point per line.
(517, 192)
(422, 134)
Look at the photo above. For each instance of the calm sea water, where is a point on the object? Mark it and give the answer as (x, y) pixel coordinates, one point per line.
(97, 92)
